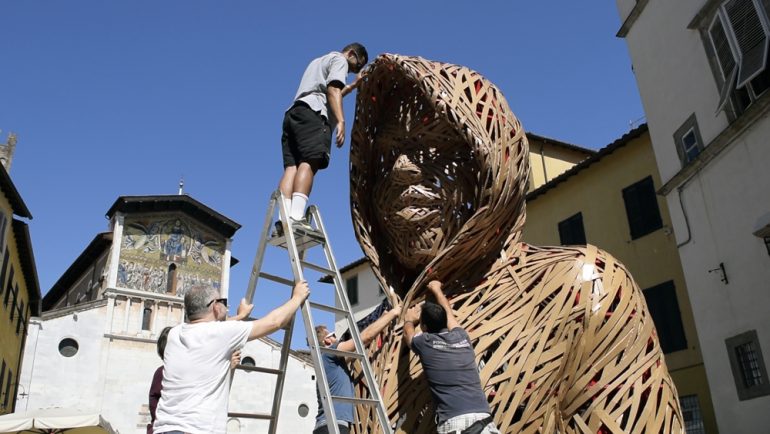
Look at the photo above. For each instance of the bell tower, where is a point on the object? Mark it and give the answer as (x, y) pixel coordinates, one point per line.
(6, 151)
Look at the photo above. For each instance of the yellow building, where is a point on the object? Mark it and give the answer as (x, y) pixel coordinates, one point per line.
(19, 289)
(548, 158)
(609, 200)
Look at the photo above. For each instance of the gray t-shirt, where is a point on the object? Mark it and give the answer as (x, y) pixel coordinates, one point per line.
(318, 74)
(453, 377)
(340, 384)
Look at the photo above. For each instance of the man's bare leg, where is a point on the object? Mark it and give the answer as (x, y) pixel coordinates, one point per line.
(286, 185)
(303, 184)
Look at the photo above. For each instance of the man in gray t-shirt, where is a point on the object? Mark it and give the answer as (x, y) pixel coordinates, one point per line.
(449, 363)
(309, 121)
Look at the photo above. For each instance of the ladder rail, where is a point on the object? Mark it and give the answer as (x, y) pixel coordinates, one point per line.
(342, 296)
(307, 316)
(260, 256)
(298, 263)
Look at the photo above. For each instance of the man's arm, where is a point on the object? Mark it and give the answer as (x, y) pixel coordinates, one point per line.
(281, 316)
(334, 95)
(435, 287)
(412, 318)
(371, 332)
(349, 88)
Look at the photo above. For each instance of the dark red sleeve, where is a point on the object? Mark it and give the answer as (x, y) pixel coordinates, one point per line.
(157, 385)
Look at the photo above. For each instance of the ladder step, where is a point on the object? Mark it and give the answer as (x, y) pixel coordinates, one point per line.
(318, 268)
(259, 369)
(328, 308)
(340, 353)
(251, 415)
(348, 400)
(304, 242)
(277, 279)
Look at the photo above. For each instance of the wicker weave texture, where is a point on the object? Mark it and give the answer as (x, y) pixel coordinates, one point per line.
(563, 337)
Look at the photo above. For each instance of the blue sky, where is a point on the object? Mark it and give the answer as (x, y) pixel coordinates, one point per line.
(123, 98)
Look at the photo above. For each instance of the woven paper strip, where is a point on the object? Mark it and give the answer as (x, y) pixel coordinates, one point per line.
(563, 337)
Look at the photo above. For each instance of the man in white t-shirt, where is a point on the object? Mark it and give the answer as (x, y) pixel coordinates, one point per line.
(196, 362)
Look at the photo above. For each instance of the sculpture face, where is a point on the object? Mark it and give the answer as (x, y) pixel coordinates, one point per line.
(421, 198)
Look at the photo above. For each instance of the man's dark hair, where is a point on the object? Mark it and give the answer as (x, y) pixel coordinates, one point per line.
(162, 339)
(433, 317)
(360, 51)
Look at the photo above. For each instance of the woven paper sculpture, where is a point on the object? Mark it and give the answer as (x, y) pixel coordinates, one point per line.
(563, 337)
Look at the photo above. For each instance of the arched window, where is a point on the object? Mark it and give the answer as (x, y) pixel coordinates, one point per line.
(171, 280)
(147, 316)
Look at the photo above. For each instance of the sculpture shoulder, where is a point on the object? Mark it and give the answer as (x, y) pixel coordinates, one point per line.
(599, 281)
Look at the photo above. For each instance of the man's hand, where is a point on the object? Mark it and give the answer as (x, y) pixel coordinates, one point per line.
(413, 314)
(235, 359)
(357, 81)
(301, 291)
(244, 309)
(340, 138)
(396, 310)
(435, 287)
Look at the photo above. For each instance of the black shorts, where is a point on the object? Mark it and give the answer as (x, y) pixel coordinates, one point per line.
(306, 137)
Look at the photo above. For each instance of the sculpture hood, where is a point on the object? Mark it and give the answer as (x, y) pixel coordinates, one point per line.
(435, 108)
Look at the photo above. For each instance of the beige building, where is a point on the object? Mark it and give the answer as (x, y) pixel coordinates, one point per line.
(703, 75)
(609, 200)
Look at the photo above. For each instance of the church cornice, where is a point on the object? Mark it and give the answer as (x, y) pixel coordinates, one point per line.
(181, 203)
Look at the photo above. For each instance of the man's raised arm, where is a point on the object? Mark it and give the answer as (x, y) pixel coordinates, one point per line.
(280, 316)
(435, 287)
(371, 332)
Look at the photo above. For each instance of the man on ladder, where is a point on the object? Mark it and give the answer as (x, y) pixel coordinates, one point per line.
(334, 384)
(308, 124)
(337, 373)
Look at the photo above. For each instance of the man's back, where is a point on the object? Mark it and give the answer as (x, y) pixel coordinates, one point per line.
(449, 363)
(316, 78)
(195, 386)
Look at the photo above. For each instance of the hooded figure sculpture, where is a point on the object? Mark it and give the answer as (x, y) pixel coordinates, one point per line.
(563, 337)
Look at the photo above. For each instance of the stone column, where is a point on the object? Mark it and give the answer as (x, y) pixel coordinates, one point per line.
(117, 240)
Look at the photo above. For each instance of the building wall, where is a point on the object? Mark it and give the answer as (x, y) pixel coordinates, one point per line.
(715, 211)
(652, 259)
(113, 367)
(548, 160)
(14, 310)
(369, 295)
(88, 285)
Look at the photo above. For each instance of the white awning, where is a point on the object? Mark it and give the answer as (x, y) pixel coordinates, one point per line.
(48, 420)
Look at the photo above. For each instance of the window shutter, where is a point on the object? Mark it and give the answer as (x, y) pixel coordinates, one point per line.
(751, 38)
(642, 208)
(664, 309)
(571, 231)
(726, 60)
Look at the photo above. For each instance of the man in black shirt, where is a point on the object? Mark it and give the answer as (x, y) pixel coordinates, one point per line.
(449, 363)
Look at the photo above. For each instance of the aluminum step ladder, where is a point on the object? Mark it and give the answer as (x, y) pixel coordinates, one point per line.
(297, 241)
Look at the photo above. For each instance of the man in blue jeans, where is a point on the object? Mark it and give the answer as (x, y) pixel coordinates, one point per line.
(337, 373)
(449, 362)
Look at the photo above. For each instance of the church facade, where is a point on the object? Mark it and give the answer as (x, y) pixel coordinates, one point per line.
(93, 348)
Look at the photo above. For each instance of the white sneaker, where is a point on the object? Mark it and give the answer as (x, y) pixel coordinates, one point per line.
(301, 224)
